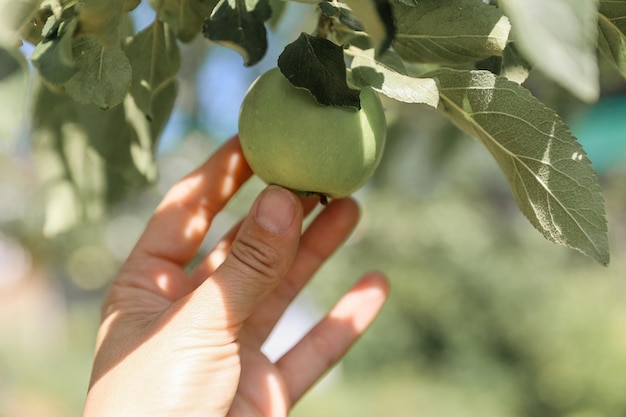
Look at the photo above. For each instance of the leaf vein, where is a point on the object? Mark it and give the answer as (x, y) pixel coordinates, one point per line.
(517, 160)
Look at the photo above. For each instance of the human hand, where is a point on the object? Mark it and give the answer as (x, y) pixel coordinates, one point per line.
(187, 343)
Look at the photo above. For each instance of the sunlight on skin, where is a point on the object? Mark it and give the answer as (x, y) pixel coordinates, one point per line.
(276, 390)
(190, 205)
(190, 185)
(218, 255)
(181, 191)
(356, 300)
(341, 327)
(162, 282)
(229, 186)
(105, 328)
(186, 385)
(175, 344)
(266, 396)
(196, 225)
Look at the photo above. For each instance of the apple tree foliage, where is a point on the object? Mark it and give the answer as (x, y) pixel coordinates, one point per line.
(107, 90)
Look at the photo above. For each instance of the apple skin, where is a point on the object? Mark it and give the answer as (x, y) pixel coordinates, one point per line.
(289, 139)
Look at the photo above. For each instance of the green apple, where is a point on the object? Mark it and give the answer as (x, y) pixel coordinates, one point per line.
(289, 139)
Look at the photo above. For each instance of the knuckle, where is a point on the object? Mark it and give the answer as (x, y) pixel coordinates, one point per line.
(259, 258)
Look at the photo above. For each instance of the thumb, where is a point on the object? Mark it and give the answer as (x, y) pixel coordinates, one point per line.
(259, 258)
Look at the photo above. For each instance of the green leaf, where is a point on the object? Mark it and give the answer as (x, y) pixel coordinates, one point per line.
(318, 65)
(88, 158)
(550, 175)
(46, 21)
(53, 56)
(449, 32)
(612, 32)
(343, 13)
(11, 63)
(103, 20)
(366, 71)
(559, 37)
(185, 17)
(393, 61)
(155, 60)
(514, 65)
(130, 5)
(71, 173)
(510, 65)
(103, 76)
(239, 24)
(377, 19)
(13, 89)
(278, 12)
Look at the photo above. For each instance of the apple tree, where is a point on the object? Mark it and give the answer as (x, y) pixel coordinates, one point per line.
(106, 91)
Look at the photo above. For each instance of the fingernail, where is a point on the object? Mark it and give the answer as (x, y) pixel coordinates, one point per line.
(276, 210)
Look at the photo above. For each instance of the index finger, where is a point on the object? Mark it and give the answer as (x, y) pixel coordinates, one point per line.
(182, 219)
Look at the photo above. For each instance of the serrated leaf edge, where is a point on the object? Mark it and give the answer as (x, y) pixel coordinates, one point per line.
(599, 256)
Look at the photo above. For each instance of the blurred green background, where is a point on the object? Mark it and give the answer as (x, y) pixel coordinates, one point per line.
(485, 317)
